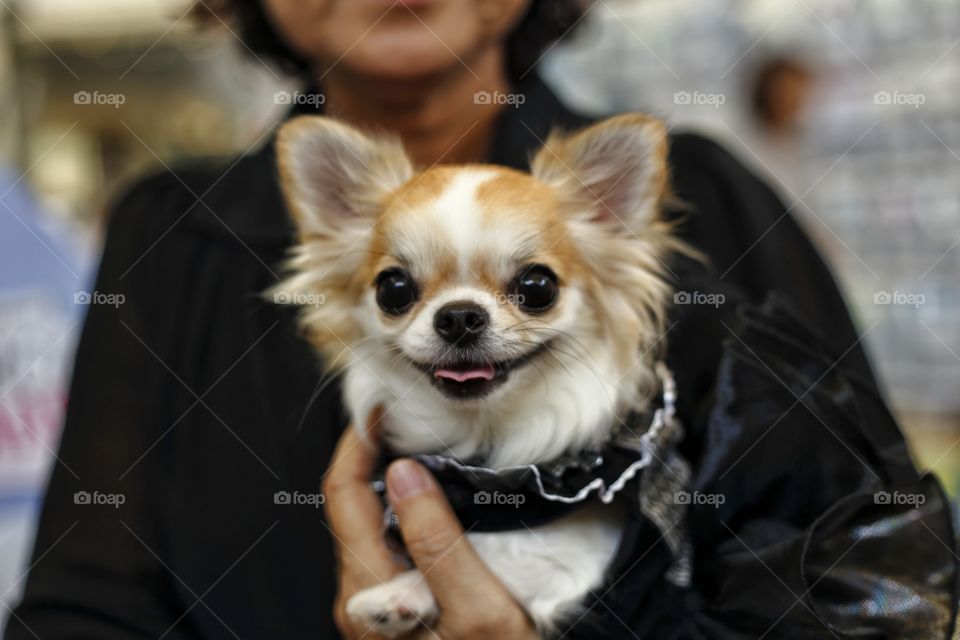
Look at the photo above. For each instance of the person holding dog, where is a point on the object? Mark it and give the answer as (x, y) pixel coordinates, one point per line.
(198, 401)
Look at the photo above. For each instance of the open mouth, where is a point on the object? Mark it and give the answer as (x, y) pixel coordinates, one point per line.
(468, 380)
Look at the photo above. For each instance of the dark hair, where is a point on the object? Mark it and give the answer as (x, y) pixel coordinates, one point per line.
(545, 22)
(764, 82)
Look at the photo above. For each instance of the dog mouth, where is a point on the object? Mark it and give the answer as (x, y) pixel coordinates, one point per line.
(468, 379)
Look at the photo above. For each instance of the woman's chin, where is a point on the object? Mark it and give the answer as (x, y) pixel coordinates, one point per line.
(402, 59)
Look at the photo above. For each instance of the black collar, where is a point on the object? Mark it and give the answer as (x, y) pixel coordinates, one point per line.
(256, 215)
(486, 499)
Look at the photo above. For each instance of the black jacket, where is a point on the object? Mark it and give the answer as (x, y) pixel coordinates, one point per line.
(197, 401)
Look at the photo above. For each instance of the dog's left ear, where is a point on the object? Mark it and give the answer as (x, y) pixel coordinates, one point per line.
(335, 176)
(616, 168)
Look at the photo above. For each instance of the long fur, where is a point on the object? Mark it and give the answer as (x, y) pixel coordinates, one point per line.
(596, 195)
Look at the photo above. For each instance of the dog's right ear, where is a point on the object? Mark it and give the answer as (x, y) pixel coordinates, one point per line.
(617, 167)
(335, 177)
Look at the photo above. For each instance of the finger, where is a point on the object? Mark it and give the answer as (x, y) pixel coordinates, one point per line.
(433, 536)
(354, 512)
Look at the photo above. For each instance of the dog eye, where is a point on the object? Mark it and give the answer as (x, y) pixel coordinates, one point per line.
(535, 288)
(396, 291)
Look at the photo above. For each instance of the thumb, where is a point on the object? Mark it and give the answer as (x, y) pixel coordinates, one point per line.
(432, 534)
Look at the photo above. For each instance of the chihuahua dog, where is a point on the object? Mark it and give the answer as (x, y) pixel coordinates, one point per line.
(493, 314)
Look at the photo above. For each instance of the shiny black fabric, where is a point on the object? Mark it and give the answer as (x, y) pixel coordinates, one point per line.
(198, 400)
(825, 529)
(522, 496)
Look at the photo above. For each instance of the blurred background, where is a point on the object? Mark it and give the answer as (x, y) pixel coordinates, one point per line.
(847, 106)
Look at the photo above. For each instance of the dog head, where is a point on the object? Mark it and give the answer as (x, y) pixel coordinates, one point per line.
(476, 290)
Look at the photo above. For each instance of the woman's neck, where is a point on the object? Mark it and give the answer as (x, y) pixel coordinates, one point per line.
(439, 118)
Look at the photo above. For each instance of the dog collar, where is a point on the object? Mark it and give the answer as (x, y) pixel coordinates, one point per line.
(527, 496)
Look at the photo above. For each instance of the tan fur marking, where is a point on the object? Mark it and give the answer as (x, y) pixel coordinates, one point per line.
(514, 197)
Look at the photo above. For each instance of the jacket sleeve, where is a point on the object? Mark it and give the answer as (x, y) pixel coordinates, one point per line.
(804, 517)
(825, 528)
(95, 571)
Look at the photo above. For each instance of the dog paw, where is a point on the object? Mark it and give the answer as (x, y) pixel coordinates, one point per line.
(395, 607)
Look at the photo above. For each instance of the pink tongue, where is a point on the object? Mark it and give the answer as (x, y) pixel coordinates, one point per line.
(480, 373)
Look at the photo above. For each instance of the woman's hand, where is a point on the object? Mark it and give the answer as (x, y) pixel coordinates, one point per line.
(473, 602)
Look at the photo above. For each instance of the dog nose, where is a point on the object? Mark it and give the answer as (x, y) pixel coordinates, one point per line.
(461, 323)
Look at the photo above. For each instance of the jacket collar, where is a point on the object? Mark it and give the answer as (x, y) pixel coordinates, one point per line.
(247, 204)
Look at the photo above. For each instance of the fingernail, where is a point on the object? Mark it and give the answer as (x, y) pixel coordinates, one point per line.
(406, 478)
